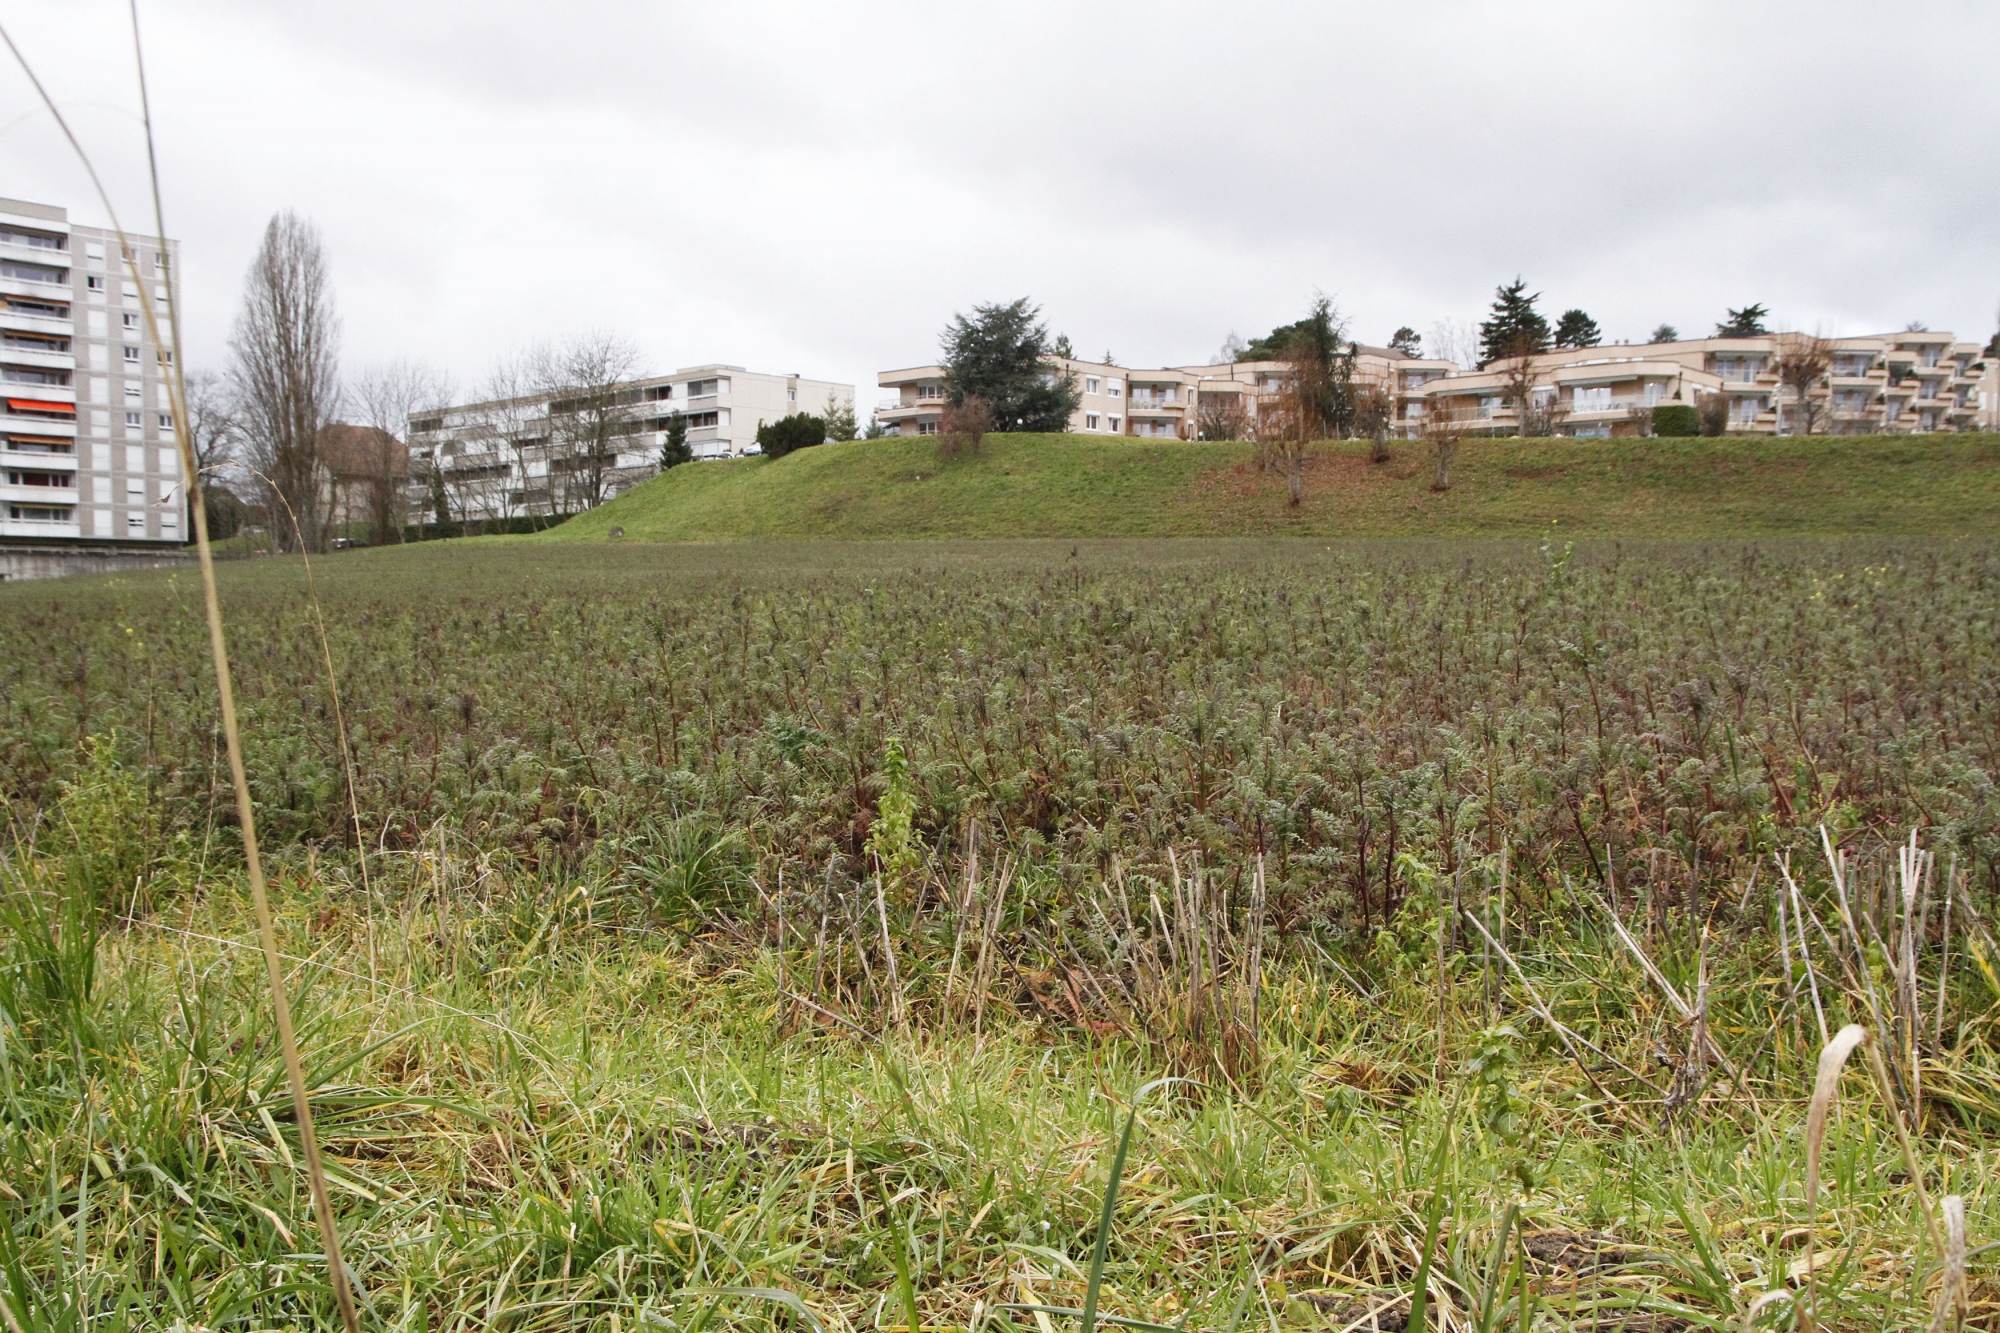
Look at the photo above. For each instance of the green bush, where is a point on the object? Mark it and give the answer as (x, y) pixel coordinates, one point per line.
(786, 435)
(1675, 419)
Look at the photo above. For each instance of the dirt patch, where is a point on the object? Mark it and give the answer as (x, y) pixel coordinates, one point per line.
(1388, 1311)
(1577, 1251)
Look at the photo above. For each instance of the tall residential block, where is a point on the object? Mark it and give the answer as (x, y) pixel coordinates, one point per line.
(86, 435)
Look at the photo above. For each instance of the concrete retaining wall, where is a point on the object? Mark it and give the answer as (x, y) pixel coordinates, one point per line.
(54, 562)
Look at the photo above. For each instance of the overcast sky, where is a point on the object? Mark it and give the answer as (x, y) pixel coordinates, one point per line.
(815, 188)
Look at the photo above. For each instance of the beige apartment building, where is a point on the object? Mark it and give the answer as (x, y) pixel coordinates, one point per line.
(1891, 383)
(1913, 382)
(507, 458)
(1161, 403)
(87, 454)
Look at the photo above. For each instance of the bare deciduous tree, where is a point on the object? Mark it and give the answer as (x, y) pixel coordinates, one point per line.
(1454, 340)
(1317, 395)
(1538, 407)
(1444, 427)
(1802, 363)
(215, 437)
(1221, 416)
(591, 409)
(1374, 407)
(386, 397)
(285, 376)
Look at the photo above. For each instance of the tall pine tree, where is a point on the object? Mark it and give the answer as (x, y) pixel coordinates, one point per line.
(1516, 327)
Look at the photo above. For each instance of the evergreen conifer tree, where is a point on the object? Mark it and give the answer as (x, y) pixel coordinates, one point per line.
(674, 449)
(1515, 325)
(1745, 323)
(996, 354)
(1576, 329)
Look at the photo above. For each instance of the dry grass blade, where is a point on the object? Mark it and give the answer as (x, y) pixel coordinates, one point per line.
(1758, 1306)
(1831, 1061)
(246, 812)
(1951, 1296)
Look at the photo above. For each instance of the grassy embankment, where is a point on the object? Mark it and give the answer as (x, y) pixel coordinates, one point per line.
(1082, 486)
(610, 1027)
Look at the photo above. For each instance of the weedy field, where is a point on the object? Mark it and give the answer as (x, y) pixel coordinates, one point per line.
(1159, 935)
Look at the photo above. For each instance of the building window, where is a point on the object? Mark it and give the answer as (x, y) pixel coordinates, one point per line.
(135, 490)
(927, 428)
(166, 420)
(135, 522)
(1091, 383)
(791, 395)
(703, 420)
(131, 356)
(40, 513)
(132, 421)
(929, 392)
(1111, 424)
(1593, 400)
(1090, 421)
(132, 392)
(1113, 388)
(131, 320)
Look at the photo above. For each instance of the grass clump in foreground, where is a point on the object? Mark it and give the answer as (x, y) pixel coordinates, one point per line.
(625, 1031)
(1086, 486)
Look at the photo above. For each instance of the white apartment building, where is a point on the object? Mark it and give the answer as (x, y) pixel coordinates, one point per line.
(505, 459)
(87, 452)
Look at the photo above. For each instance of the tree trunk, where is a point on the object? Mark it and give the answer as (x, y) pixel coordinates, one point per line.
(1379, 451)
(1442, 482)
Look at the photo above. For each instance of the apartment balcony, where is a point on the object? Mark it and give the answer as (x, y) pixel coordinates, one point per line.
(44, 495)
(28, 458)
(57, 290)
(16, 355)
(43, 528)
(19, 415)
(1615, 408)
(20, 319)
(1153, 407)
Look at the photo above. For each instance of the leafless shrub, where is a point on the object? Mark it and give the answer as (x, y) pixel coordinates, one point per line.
(1221, 416)
(1374, 406)
(1713, 411)
(963, 425)
(1444, 427)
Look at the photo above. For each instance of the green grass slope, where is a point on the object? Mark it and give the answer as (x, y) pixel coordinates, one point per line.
(1084, 486)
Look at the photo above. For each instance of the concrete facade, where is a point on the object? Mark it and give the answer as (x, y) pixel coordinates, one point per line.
(499, 459)
(1909, 383)
(1889, 383)
(1157, 403)
(86, 426)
